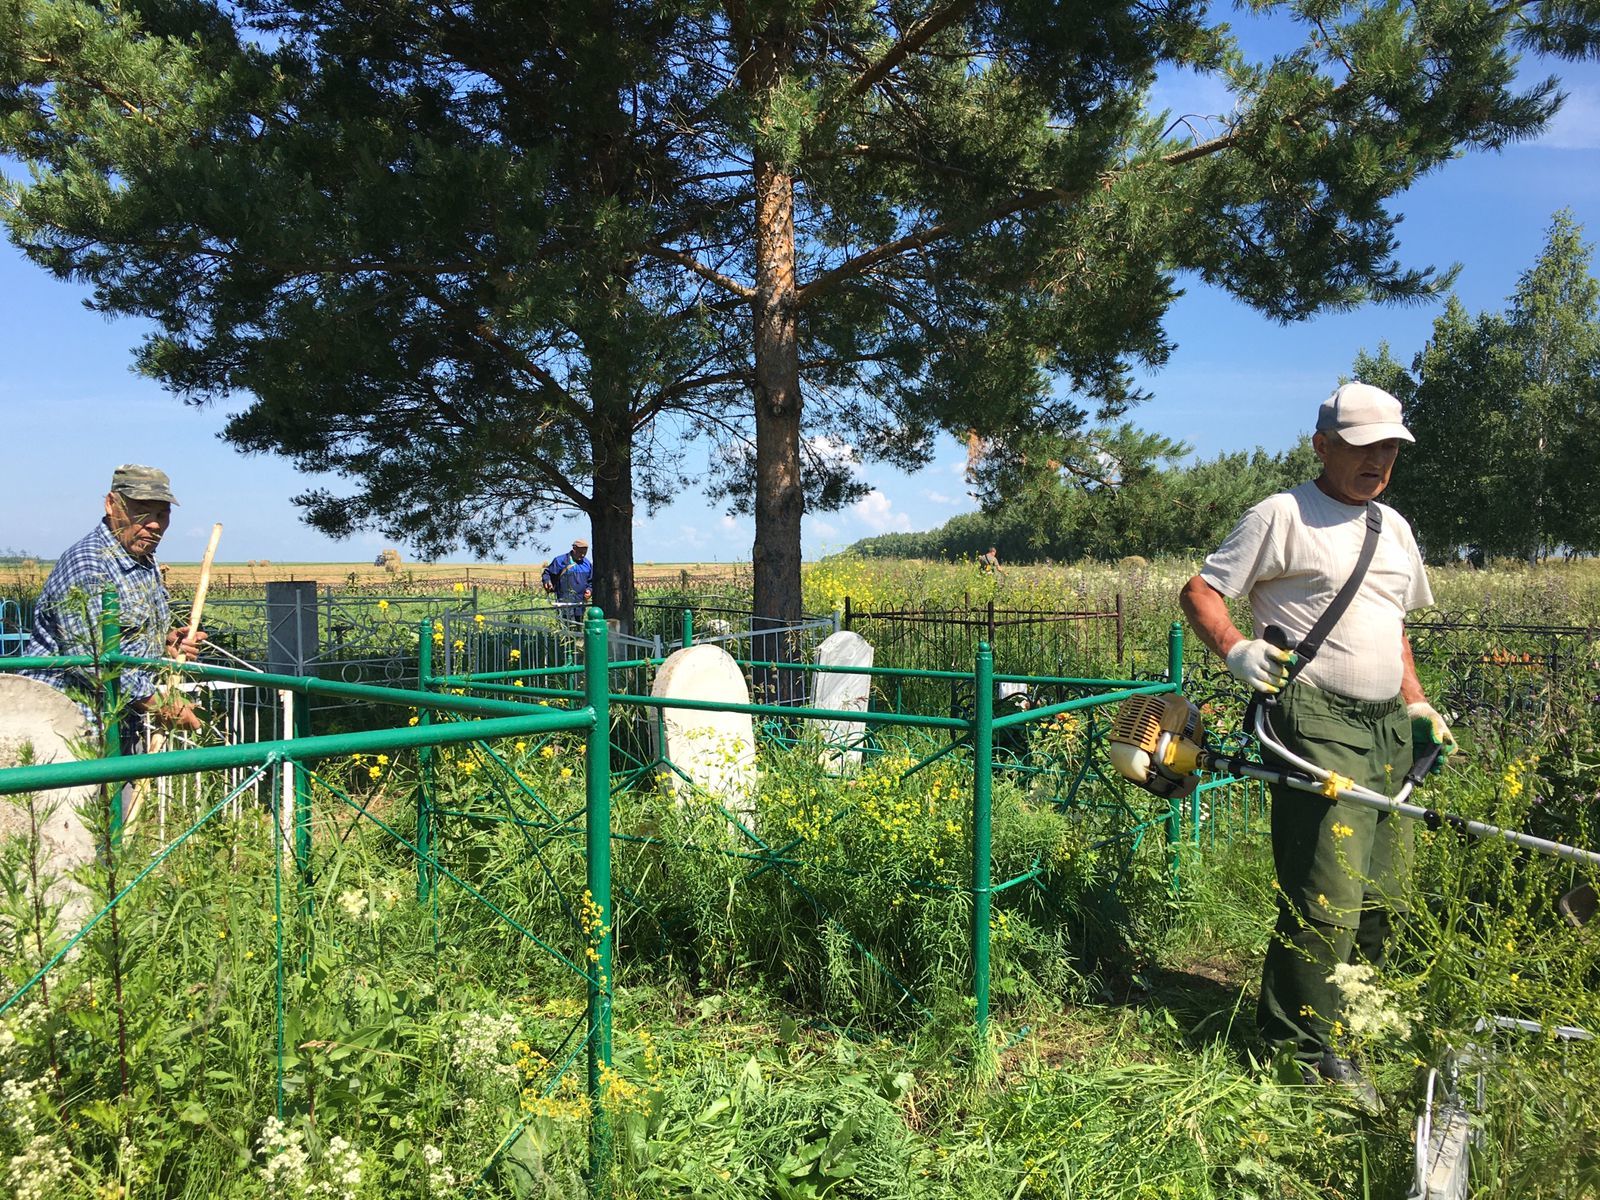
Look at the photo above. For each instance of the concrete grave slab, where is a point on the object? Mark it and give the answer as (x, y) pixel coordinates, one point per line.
(35, 714)
(842, 692)
(716, 750)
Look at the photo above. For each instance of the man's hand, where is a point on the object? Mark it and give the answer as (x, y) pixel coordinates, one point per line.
(1259, 664)
(182, 641)
(1429, 728)
(174, 713)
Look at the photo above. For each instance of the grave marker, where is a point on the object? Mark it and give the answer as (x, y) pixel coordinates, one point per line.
(715, 749)
(842, 692)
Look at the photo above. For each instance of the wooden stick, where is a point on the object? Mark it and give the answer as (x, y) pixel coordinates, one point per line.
(197, 609)
(157, 740)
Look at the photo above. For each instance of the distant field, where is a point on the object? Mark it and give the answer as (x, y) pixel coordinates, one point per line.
(251, 575)
(365, 574)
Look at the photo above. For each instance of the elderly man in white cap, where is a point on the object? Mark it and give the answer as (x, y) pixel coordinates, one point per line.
(118, 553)
(1354, 707)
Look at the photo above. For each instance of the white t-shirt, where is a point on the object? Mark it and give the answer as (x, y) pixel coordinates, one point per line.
(1292, 553)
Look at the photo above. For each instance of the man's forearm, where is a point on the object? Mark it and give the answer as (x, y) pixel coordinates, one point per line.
(1208, 615)
(1410, 686)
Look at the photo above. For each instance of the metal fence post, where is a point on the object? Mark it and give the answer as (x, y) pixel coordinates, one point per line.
(302, 804)
(1175, 806)
(425, 872)
(597, 847)
(982, 797)
(293, 610)
(110, 698)
(687, 627)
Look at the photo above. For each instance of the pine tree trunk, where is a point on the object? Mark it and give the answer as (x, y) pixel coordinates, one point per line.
(779, 499)
(611, 517)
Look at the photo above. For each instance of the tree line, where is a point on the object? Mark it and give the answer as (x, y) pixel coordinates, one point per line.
(1505, 408)
(1145, 504)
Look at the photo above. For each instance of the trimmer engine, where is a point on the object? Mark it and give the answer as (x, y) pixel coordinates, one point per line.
(1156, 742)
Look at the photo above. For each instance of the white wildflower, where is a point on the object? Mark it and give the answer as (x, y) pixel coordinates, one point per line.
(478, 1045)
(285, 1152)
(340, 1171)
(39, 1172)
(18, 1102)
(354, 903)
(442, 1180)
(1370, 1009)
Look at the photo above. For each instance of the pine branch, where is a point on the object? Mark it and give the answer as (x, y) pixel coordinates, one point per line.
(684, 259)
(914, 39)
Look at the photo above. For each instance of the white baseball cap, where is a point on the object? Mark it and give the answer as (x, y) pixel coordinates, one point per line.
(1362, 414)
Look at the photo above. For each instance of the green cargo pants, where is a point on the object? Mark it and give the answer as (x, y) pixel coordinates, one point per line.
(1342, 868)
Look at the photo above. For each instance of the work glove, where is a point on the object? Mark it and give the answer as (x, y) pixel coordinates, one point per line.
(1260, 664)
(1428, 728)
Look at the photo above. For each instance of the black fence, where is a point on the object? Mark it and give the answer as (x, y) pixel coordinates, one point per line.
(1512, 677)
(1025, 641)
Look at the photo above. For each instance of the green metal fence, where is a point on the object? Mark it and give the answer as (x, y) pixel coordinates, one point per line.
(477, 709)
(491, 719)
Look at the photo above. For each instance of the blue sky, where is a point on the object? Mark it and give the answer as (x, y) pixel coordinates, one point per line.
(71, 407)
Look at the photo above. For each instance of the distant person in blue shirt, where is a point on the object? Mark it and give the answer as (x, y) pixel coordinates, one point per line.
(118, 553)
(568, 577)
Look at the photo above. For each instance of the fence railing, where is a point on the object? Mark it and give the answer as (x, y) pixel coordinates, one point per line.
(1057, 639)
(488, 693)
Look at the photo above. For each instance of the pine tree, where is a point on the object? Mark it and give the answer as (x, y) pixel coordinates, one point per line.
(474, 257)
(1503, 409)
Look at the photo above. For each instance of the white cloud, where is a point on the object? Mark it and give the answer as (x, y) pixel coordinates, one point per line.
(834, 453)
(728, 522)
(1577, 125)
(937, 497)
(821, 528)
(875, 510)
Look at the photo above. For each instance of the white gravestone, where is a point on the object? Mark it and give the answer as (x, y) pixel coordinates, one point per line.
(840, 691)
(715, 749)
(35, 714)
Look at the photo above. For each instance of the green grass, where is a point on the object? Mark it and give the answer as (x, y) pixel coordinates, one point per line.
(759, 1051)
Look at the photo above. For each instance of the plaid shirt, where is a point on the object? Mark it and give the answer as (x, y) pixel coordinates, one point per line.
(66, 619)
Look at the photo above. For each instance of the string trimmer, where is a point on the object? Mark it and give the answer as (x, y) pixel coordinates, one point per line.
(1159, 743)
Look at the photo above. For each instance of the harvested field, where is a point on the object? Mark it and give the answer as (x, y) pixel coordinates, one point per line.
(251, 576)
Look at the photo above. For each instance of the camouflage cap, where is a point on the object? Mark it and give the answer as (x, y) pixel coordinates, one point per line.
(142, 483)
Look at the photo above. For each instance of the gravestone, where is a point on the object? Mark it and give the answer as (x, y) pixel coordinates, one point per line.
(842, 692)
(35, 714)
(715, 749)
(291, 627)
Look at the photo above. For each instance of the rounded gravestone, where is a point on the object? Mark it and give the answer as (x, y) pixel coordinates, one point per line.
(35, 715)
(715, 749)
(840, 691)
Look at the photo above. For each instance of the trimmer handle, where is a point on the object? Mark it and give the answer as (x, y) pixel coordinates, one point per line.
(1423, 764)
(1275, 636)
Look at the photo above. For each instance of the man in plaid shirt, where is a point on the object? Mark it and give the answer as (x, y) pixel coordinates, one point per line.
(118, 553)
